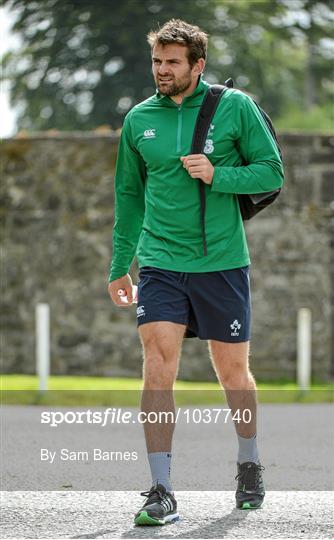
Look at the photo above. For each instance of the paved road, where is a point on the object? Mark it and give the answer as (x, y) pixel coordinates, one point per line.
(296, 449)
(295, 443)
(203, 515)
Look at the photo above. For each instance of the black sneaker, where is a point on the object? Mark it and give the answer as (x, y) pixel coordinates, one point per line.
(160, 507)
(250, 491)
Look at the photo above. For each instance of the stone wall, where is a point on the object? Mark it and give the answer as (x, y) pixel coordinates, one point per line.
(57, 212)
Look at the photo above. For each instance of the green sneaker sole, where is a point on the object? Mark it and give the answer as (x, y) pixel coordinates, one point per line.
(145, 519)
(249, 506)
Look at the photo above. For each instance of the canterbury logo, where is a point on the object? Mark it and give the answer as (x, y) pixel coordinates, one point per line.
(149, 134)
(140, 311)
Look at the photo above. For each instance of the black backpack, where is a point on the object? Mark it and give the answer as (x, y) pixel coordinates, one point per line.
(250, 205)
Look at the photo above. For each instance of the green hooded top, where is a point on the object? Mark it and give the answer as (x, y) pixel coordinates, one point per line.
(157, 203)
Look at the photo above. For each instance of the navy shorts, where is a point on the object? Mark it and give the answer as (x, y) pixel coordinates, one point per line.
(213, 305)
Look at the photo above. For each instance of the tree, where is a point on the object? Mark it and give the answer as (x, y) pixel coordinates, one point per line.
(86, 63)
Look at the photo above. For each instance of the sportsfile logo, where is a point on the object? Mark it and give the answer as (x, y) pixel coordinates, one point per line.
(149, 134)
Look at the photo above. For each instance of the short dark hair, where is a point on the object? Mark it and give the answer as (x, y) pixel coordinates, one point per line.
(178, 31)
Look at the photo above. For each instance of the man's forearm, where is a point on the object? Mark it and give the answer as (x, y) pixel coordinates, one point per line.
(253, 178)
(124, 250)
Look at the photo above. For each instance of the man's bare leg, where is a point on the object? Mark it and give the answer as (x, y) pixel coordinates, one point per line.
(230, 361)
(162, 343)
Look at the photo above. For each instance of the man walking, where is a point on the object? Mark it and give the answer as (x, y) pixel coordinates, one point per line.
(187, 287)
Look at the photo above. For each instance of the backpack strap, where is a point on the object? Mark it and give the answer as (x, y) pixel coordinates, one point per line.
(204, 118)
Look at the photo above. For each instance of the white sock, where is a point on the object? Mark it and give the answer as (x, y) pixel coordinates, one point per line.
(160, 463)
(247, 449)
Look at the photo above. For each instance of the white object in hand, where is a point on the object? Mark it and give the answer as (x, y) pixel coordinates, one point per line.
(124, 298)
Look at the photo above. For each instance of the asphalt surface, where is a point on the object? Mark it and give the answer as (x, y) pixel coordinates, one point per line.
(296, 446)
(84, 500)
(202, 515)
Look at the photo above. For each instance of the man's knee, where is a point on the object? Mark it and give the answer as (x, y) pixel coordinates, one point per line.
(231, 363)
(161, 349)
(235, 379)
(159, 371)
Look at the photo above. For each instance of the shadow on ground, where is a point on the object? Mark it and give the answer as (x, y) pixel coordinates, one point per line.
(215, 529)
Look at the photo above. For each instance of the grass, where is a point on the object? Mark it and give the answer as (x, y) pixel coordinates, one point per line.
(66, 382)
(317, 118)
(80, 391)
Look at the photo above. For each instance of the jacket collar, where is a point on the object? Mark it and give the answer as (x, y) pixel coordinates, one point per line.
(192, 100)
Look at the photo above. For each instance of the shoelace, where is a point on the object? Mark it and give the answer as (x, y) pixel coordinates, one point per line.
(249, 476)
(151, 493)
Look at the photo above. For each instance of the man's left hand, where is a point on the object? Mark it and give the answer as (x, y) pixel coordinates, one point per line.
(198, 166)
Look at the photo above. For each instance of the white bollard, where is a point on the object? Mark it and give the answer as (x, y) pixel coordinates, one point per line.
(304, 348)
(43, 345)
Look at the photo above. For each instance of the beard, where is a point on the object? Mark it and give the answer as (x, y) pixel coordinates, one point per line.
(175, 87)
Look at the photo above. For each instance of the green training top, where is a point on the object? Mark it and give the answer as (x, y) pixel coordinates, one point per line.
(157, 203)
